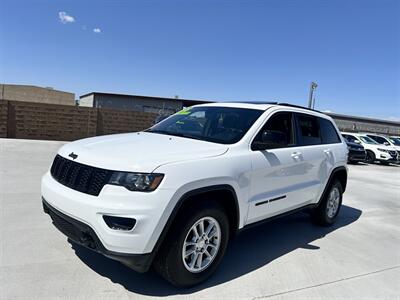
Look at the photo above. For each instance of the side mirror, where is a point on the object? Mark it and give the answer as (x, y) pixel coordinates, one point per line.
(270, 139)
(357, 141)
(386, 144)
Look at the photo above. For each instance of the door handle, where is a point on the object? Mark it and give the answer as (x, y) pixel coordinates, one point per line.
(327, 151)
(296, 154)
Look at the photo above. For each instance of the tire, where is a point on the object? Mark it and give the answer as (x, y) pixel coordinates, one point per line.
(370, 157)
(327, 210)
(170, 262)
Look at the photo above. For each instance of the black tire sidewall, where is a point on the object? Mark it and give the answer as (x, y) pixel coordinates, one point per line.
(319, 215)
(327, 219)
(370, 157)
(178, 275)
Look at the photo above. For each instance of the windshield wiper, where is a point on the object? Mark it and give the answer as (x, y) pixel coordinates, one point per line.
(175, 134)
(157, 131)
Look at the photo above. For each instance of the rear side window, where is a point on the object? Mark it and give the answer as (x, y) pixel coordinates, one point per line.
(309, 132)
(350, 138)
(328, 132)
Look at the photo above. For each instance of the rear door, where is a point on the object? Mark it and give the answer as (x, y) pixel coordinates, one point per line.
(334, 150)
(315, 155)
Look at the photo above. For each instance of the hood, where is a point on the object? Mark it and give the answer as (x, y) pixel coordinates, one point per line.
(138, 152)
(389, 148)
(354, 145)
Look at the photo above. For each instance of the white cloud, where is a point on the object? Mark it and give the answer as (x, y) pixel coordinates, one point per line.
(64, 18)
(97, 30)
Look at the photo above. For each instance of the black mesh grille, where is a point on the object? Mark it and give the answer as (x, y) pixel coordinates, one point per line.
(82, 178)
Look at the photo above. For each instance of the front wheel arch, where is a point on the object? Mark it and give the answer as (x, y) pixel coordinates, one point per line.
(231, 207)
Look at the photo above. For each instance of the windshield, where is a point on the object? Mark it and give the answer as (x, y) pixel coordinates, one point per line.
(395, 141)
(367, 140)
(224, 125)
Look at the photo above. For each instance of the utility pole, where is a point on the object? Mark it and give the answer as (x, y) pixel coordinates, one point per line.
(311, 97)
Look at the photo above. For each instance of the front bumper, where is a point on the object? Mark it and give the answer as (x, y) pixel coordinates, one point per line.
(356, 156)
(82, 234)
(146, 208)
(386, 157)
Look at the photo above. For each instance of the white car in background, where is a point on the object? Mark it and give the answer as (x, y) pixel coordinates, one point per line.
(383, 140)
(395, 140)
(375, 151)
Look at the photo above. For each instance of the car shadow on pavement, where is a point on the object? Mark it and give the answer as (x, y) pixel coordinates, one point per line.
(252, 249)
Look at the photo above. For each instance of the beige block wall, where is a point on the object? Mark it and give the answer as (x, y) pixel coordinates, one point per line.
(27, 120)
(36, 94)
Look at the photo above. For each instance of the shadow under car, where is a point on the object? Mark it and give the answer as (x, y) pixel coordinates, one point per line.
(264, 243)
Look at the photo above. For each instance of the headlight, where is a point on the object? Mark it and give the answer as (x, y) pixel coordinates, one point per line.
(383, 150)
(137, 181)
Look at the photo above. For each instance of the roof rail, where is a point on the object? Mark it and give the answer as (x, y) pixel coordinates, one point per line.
(259, 102)
(297, 106)
(277, 103)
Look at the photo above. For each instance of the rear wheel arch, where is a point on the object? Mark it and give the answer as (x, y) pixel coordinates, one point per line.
(338, 173)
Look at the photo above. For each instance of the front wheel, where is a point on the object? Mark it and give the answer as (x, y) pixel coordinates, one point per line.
(194, 246)
(370, 157)
(327, 210)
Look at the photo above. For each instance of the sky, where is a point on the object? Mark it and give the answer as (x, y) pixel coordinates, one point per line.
(210, 49)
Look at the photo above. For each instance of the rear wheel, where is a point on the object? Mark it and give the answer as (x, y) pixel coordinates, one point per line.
(327, 210)
(194, 246)
(370, 157)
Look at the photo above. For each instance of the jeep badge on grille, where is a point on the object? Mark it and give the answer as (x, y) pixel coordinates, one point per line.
(73, 155)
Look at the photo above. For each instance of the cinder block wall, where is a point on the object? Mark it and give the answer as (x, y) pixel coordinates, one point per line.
(3, 118)
(27, 120)
(118, 121)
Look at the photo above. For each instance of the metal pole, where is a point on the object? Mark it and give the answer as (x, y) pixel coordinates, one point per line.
(313, 86)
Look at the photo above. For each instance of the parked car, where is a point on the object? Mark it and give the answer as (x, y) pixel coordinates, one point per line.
(395, 140)
(375, 152)
(383, 140)
(356, 152)
(173, 195)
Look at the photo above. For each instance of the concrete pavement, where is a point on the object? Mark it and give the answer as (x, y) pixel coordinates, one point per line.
(359, 257)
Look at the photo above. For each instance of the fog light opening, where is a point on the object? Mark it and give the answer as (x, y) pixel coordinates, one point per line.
(119, 223)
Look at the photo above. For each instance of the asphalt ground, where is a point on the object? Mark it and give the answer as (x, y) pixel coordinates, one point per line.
(357, 258)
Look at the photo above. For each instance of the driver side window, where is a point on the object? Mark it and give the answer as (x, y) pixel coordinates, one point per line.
(276, 133)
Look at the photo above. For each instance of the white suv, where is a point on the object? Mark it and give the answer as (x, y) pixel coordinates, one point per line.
(173, 195)
(375, 152)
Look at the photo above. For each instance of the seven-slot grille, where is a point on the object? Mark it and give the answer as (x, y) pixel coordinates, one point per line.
(80, 177)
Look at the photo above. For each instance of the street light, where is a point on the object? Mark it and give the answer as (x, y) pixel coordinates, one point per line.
(311, 98)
